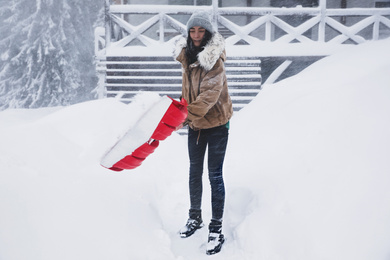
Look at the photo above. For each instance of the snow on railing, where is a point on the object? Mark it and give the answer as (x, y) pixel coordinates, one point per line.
(316, 24)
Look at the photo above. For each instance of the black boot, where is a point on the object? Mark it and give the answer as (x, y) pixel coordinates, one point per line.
(194, 222)
(216, 238)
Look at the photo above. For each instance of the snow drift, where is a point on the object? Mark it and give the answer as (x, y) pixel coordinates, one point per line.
(306, 174)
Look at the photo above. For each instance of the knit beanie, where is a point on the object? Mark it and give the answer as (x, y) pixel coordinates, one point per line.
(202, 19)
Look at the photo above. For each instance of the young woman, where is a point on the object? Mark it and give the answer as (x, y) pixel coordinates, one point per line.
(202, 55)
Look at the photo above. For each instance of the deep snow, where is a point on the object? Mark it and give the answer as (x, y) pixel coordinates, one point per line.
(307, 175)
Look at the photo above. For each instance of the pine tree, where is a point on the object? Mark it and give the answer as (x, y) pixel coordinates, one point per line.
(46, 53)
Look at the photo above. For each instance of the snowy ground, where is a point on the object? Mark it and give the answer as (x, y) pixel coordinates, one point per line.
(307, 175)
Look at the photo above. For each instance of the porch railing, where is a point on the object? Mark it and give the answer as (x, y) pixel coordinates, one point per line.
(268, 25)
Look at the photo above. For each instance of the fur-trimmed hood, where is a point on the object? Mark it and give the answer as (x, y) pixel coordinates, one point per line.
(207, 58)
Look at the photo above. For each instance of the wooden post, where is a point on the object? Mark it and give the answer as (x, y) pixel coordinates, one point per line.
(215, 14)
(343, 5)
(375, 29)
(162, 29)
(248, 17)
(100, 66)
(322, 24)
(107, 22)
(268, 30)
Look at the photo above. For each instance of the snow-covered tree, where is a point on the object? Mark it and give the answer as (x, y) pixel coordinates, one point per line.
(46, 52)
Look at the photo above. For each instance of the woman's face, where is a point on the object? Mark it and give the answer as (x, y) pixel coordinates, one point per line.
(196, 34)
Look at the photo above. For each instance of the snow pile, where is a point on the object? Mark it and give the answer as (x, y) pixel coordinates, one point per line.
(319, 166)
(306, 174)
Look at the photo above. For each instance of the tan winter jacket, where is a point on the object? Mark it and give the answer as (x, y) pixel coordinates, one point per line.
(205, 85)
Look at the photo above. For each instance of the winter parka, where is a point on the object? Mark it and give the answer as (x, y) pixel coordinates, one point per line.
(204, 84)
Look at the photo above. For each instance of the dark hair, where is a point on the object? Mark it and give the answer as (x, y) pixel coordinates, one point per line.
(192, 51)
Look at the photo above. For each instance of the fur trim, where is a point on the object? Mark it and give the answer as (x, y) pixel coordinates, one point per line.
(179, 45)
(212, 51)
(210, 54)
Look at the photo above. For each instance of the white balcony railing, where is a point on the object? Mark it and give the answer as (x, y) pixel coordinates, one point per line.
(267, 25)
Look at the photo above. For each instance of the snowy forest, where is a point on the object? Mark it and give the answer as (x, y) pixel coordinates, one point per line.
(46, 52)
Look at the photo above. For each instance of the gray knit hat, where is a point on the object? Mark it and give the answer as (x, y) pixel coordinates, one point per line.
(202, 19)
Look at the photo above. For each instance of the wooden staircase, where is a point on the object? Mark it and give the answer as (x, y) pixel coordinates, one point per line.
(127, 76)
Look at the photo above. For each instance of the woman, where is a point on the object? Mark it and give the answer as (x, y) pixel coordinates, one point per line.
(202, 55)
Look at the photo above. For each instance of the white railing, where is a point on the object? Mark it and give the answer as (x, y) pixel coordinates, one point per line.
(324, 25)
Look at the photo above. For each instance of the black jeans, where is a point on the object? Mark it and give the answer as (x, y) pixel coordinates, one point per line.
(216, 140)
